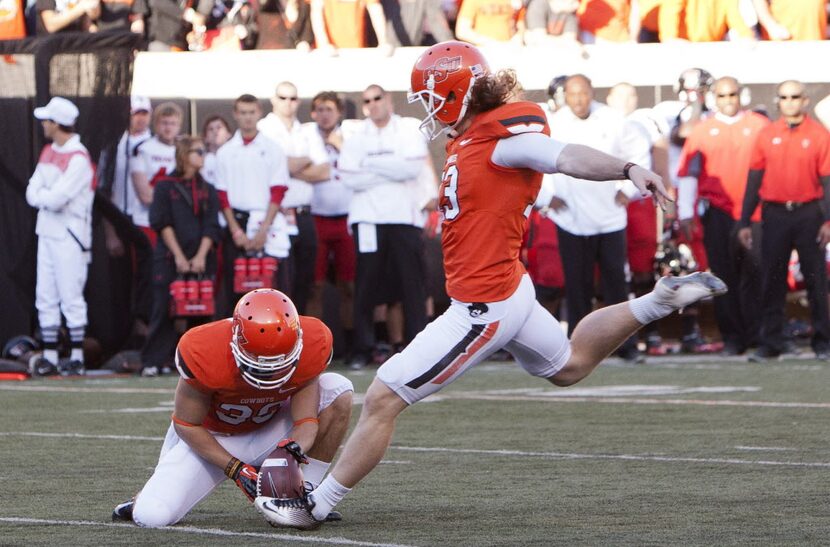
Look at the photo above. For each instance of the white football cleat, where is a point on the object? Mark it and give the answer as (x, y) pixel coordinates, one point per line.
(287, 513)
(682, 291)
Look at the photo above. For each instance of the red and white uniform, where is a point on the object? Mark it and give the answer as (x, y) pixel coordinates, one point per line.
(490, 180)
(155, 159)
(248, 422)
(61, 188)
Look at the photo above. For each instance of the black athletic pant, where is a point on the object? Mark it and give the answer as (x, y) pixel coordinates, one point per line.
(301, 262)
(399, 258)
(579, 256)
(737, 311)
(785, 228)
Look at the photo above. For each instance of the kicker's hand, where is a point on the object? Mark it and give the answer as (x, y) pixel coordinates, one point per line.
(244, 475)
(294, 449)
(648, 182)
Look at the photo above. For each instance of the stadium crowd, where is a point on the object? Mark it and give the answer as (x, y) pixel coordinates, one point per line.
(326, 25)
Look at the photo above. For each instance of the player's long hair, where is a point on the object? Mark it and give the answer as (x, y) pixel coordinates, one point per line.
(492, 91)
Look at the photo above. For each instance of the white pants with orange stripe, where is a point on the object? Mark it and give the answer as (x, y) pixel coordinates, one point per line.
(182, 478)
(467, 333)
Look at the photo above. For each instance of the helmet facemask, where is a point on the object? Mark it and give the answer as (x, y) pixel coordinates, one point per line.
(265, 372)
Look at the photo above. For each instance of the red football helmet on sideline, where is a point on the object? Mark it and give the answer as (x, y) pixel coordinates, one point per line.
(266, 338)
(442, 79)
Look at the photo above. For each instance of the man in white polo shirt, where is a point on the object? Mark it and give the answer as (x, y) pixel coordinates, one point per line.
(282, 126)
(592, 217)
(154, 157)
(251, 181)
(381, 162)
(61, 188)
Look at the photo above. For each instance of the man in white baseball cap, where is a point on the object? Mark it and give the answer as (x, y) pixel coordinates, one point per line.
(61, 188)
(59, 110)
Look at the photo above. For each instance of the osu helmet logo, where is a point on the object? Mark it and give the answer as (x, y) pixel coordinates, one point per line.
(442, 68)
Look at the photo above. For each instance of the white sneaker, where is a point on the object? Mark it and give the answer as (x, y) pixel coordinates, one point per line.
(682, 291)
(287, 513)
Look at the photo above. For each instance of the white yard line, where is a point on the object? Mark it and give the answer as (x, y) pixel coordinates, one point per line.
(201, 531)
(91, 389)
(481, 452)
(625, 457)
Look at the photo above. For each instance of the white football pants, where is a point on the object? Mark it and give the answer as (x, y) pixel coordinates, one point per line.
(182, 478)
(467, 333)
(61, 275)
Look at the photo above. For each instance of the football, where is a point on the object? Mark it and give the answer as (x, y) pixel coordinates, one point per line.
(280, 476)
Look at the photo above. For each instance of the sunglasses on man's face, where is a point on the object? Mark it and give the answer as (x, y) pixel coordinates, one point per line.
(284, 98)
(369, 100)
(789, 97)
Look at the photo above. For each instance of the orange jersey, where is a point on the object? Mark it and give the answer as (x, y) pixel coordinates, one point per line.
(793, 159)
(345, 22)
(495, 19)
(605, 19)
(725, 150)
(805, 19)
(485, 205)
(206, 363)
(701, 20)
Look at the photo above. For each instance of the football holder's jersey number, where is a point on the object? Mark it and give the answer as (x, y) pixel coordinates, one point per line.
(237, 414)
(449, 203)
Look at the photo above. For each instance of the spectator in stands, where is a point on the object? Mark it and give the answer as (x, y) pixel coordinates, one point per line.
(61, 188)
(330, 209)
(715, 159)
(154, 157)
(591, 218)
(649, 15)
(641, 229)
(483, 22)
(285, 25)
(54, 16)
(381, 161)
(792, 19)
(215, 133)
(790, 175)
(184, 213)
(608, 21)
(223, 24)
(408, 21)
(340, 23)
(124, 239)
(168, 23)
(124, 15)
(251, 180)
(701, 20)
(551, 22)
(12, 20)
(282, 126)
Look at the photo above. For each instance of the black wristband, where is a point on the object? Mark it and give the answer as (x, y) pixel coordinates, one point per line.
(627, 168)
(233, 468)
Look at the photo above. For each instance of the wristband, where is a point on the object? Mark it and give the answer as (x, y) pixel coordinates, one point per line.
(306, 420)
(627, 168)
(232, 469)
(182, 422)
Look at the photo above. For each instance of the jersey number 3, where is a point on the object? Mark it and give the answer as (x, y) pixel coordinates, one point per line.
(449, 203)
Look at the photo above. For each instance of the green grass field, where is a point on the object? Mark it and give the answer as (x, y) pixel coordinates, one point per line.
(673, 452)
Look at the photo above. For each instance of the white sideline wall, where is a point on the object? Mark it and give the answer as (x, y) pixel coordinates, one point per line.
(222, 75)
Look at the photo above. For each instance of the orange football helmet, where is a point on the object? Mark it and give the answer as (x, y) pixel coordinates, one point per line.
(442, 79)
(266, 338)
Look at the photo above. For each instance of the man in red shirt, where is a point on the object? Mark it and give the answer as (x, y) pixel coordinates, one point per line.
(790, 175)
(715, 157)
(247, 383)
(499, 147)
